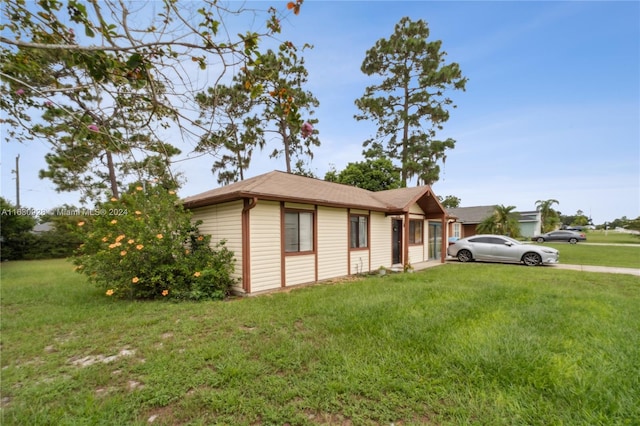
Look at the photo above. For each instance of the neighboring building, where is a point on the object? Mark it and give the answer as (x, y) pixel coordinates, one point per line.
(287, 230)
(464, 221)
(530, 223)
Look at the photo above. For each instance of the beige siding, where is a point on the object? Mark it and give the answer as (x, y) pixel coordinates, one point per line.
(417, 254)
(333, 235)
(360, 261)
(265, 246)
(223, 222)
(415, 208)
(299, 206)
(380, 244)
(300, 269)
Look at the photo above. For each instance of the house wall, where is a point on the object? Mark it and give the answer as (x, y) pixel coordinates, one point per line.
(265, 246)
(380, 240)
(359, 261)
(300, 269)
(419, 252)
(333, 242)
(224, 222)
(332, 257)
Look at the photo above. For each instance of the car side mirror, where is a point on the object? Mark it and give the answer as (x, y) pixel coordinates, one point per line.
(508, 243)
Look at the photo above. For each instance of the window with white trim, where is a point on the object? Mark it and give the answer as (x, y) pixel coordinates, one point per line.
(457, 227)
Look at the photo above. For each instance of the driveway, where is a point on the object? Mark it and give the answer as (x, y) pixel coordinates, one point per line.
(584, 268)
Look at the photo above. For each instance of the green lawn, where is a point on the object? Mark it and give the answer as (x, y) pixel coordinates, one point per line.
(600, 255)
(611, 237)
(455, 344)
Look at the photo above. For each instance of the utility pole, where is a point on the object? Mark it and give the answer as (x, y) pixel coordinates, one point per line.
(17, 172)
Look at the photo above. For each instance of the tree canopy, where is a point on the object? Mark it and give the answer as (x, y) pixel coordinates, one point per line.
(107, 83)
(373, 175)
(410, 103)
(502, 221)
(268, 100)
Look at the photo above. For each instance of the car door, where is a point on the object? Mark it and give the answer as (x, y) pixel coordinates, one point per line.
(501, 251)
(481, 248)
(558, 236)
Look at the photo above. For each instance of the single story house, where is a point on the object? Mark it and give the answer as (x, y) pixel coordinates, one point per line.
(464, 221)
(287, 229)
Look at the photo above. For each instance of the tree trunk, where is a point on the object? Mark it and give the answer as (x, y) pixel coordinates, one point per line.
(285, 141)
(112, 176)
(405, 137)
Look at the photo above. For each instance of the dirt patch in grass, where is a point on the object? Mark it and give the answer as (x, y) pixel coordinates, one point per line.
(94, 359)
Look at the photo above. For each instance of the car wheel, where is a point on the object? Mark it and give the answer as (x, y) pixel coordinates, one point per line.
(532, 259)
(572, 241)
(464, 256)
(540, 240)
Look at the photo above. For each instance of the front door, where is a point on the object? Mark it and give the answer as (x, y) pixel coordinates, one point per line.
(396, 241)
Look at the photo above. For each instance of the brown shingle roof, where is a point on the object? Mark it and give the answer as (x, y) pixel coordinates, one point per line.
(474, 214)
(281, 186)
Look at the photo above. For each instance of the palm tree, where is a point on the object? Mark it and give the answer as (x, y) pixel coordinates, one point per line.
(549, 216)
(503, 221)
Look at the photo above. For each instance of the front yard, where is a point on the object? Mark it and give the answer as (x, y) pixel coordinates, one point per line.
(455, 344)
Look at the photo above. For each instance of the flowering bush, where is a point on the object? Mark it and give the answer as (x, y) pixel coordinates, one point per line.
(144, 246)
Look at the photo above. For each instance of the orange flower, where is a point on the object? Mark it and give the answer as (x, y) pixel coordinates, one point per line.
(138, 188)
(123, 253)
(135, 280)
(113, 222)
(114, 199)
(197, 274)
(200, 238)
(139, 247)
(138, 212)
(105, 239)
(165, 292)
(112, 246)
(80, 223)
(159, 236)
(131, 241)
(118, 244)
(119, 238)
(172, 192)
(187, 251)
(109, 292)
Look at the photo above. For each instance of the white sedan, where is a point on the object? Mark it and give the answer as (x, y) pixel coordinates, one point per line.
(499, 248)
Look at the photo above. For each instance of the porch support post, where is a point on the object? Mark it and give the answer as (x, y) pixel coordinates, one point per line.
(405, 243)
(445, 240)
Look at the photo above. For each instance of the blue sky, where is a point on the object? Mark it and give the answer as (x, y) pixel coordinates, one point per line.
(551, 110)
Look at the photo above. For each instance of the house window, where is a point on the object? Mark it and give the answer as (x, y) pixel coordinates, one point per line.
(359, 229)
(456, 230)
(415, 231)
(298, 232)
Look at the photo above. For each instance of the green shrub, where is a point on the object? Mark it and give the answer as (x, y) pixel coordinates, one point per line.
(144, 246)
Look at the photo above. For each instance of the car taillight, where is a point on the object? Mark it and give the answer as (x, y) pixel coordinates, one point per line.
(582, 235)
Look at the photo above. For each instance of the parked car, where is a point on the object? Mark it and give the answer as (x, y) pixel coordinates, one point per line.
(569, 236)
(499, 248)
